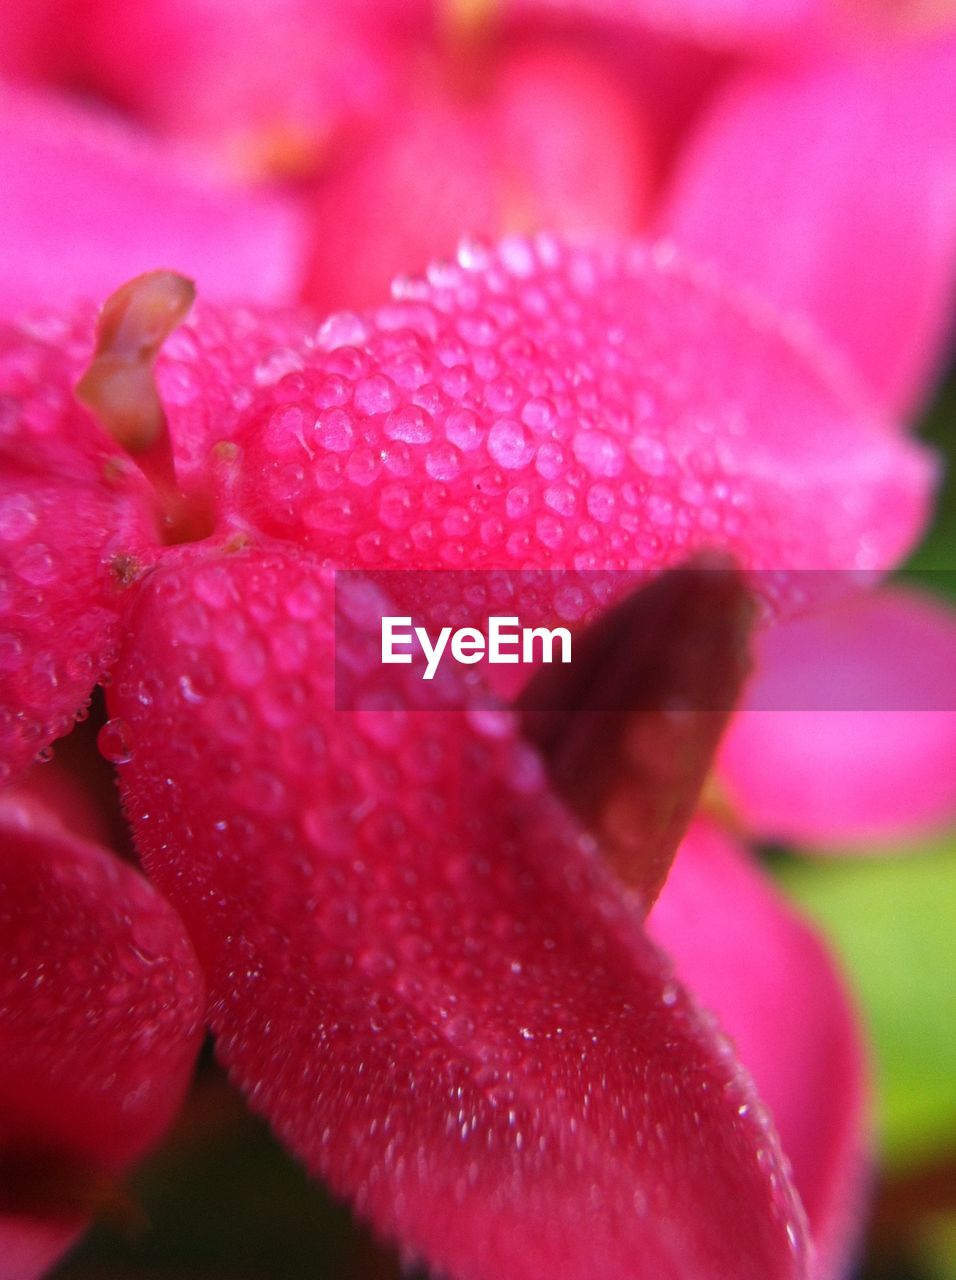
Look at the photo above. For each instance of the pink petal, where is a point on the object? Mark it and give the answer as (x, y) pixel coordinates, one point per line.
(831, 190)
(87, 203)
(421, 972)
(101, 1003)
(775, 990)
(550, 136)
(543, 405)
(74, 516)
(851, 732)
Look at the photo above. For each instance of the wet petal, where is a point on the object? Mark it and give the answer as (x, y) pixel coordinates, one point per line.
(73, 518)
(101, 1003)
(88, 202)
(776, 992)
(591, 407)
(831, 190)
(79, 522)
(421, 972)
(848, 733)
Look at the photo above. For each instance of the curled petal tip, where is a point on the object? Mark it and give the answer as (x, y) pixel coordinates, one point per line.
(118, 386)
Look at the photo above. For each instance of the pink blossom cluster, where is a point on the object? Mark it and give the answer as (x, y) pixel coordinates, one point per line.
(596, 286)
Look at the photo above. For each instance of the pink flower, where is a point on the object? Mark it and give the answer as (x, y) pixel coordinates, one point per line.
(420, 968)
(420, 1018)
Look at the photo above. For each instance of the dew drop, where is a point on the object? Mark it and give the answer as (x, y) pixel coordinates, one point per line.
(344, 329)
(473, 254)
(275, 367)
(442, 274)
(598, 452)
(11, 653)
(113, 742)
(375, 394)
(18, 517)
(463, 430)
(539, 415)
(518, 256)
(408, 424)
(375, 964)
(510, 445)
(478, 330)
(334, 431)
(459, 1029)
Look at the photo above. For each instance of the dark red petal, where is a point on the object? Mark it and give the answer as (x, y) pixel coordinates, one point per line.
(629, 729)
(547, 406)
(73, 518)
(101, 1003)
(778, 994)
(421, 972)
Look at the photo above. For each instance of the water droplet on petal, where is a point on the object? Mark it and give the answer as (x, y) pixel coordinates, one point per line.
(113, 742)
(344, 329)
(473, 255)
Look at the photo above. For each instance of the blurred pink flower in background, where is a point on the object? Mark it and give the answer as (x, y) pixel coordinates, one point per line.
(784, 143)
